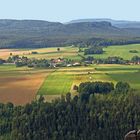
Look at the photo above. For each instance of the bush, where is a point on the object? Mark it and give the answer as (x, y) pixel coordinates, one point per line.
(96, 87)
(122, 87)
(34, 52)
(133, 51)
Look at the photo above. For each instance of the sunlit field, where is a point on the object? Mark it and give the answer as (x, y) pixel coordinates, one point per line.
(43, 53)
(122, 51)
(62, 81)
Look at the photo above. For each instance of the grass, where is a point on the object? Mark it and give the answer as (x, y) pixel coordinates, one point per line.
(121, 51)
(56, 84)
(43, 53)
(52, 53)
(117, 68)
(63, 80)
(7, 67)
(132, 78)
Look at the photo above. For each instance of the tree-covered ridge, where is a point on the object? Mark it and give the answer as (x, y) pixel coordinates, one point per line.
(106, 117)
(36, 34)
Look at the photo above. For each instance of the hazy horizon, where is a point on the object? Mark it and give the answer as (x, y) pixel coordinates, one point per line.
(65, 11)
(70, 19)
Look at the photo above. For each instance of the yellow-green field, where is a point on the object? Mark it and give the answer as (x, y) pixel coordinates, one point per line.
(62, 81)
(72, 52)
(45, 53)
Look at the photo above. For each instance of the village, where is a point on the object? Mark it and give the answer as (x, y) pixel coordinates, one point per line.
(64, 62)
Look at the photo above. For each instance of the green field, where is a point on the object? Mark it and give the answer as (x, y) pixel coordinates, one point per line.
(63, 80)
(56, 84)
(121, 51)
(72, 52)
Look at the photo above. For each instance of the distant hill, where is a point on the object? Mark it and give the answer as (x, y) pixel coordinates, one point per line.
(116, 23)
(37, 33)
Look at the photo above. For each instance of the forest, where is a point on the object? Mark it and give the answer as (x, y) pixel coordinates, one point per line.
(42, 34)
(103, 116)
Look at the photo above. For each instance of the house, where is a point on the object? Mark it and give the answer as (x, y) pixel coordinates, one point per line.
(76, 64)
(59, 60)
(88, 62)
(69, 65)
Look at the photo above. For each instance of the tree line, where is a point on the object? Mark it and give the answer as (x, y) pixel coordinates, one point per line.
(101, 117)
(112, 60)
(93, 50)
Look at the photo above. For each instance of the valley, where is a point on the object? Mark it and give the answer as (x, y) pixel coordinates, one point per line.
(51, 83)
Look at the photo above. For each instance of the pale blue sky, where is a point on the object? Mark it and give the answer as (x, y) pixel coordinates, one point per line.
(66, 10)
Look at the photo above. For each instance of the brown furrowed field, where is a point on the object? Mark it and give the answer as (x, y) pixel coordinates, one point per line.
(20, 86)
(20, 90)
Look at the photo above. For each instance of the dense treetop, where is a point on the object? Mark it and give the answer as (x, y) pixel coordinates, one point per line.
(101, 117)
(33, 34)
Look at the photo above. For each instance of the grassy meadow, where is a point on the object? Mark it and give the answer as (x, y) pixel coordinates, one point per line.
(62, 81)
(56, 84)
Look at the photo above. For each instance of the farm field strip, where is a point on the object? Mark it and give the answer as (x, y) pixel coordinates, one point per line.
(48, 53)
(132, 78)
(56, 84)
(20, 90)
(72, 52)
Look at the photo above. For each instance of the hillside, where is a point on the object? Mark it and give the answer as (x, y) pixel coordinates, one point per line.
(116, 23)
(35, 33)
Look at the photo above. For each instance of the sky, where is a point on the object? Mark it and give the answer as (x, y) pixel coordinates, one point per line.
(66, 10)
